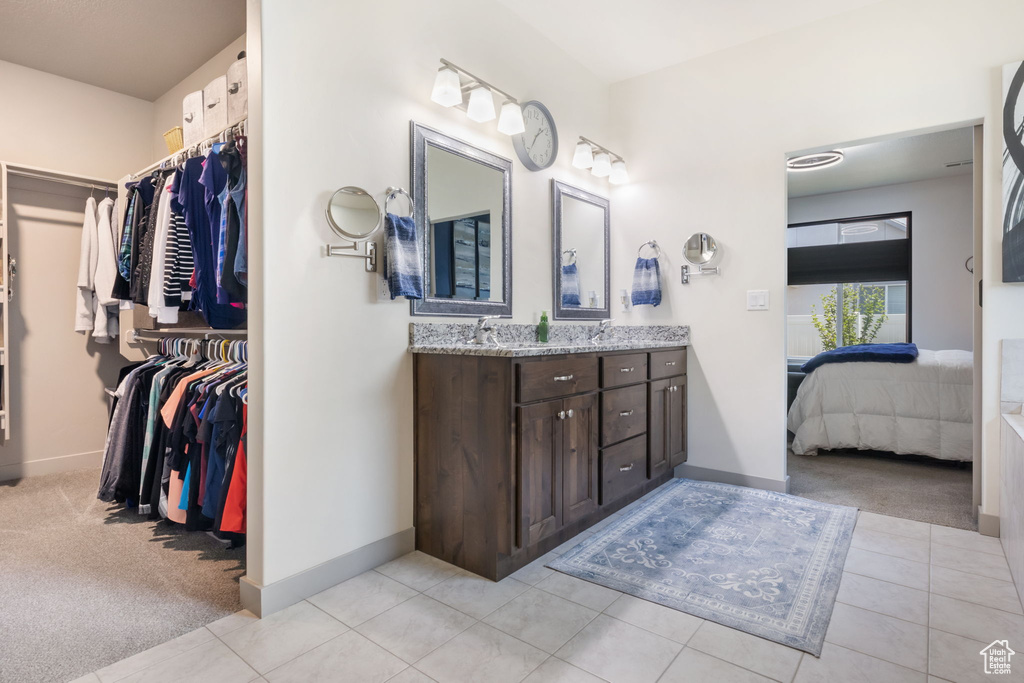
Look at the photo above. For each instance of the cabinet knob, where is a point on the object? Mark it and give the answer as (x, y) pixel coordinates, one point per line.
(568, 413)
(626, 468)
(625, 413)
(626, 369)
(563, 378)
(561, 414)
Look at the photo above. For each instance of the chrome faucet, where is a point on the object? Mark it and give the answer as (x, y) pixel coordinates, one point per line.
(484, 333)
(602, 327)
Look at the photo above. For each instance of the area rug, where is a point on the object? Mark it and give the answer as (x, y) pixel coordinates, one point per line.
(762, 562)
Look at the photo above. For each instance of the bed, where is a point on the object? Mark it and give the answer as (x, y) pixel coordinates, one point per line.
(922, 408)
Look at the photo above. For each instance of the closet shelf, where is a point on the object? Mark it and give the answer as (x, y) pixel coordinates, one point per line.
(143, 335)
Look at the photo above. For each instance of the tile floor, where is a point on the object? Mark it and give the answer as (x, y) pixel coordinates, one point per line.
(917, 603)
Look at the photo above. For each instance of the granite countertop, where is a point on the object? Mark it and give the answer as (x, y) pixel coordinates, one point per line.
(517, 340)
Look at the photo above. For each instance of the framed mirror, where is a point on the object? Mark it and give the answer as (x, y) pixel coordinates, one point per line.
(700, 249)
(581, 226)
(463, 210)
(353, 214)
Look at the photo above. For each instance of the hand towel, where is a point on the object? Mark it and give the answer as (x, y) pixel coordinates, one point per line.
(403, 265)
(646, 282)
(570, 285)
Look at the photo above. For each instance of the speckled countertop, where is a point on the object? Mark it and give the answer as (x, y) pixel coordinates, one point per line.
(517, 340)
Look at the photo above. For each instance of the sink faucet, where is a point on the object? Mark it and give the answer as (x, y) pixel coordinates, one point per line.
(602, 327)
(484, 333)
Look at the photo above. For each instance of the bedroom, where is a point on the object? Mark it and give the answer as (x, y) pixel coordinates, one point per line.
(893, 221)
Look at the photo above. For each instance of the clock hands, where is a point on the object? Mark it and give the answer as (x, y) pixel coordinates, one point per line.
(539, 131)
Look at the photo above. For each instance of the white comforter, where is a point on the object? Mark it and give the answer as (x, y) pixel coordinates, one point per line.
(922, 407)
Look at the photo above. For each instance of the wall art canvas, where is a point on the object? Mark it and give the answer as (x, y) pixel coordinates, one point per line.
(1013, 173)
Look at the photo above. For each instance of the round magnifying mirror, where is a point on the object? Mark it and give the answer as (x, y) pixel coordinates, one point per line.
(700, 249)
(353, 214)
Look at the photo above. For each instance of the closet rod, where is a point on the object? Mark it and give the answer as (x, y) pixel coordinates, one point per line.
(140, 335)
(212, 138)
(60, 177)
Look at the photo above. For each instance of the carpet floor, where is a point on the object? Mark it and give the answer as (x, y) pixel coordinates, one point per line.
(84, 584)
(907, 486)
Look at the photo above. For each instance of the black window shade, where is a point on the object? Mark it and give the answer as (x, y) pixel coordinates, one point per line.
(881, 261)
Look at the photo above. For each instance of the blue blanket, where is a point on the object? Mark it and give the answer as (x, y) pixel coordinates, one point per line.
(864, 353)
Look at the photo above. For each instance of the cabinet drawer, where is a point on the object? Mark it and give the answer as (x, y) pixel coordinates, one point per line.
(623, 468)
(539, 380)
(617, 371)
(668, 363)
(623, 413)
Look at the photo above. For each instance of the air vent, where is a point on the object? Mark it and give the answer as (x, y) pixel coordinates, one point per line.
(954, 164)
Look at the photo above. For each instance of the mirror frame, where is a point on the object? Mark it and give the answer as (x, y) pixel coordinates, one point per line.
(558, 191)
(713, 245)
(420, 137)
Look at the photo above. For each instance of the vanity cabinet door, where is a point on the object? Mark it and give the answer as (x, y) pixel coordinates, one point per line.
(659, 405)
(540, 437)
(677, 421)
(579, 457)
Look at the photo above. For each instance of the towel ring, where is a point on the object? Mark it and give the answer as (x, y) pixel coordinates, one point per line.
(393, 192)
(572, 256)
(653, 244)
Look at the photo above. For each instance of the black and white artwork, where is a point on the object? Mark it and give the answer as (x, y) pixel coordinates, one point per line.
(1013, 173)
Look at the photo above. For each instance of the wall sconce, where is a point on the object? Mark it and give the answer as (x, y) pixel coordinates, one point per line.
(453, 82)
(601, 161)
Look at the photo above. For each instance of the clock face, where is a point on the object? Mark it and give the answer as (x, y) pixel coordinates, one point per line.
(538, 146)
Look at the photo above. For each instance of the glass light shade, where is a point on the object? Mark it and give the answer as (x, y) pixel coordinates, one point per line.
(584, 155)
(602, 165)
(511, 120)
(619, 174)
(481, 105)
(447, 88)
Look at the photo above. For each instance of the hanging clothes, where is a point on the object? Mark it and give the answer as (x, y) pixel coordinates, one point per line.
(95, 261)
(85, 301)
(106, 320)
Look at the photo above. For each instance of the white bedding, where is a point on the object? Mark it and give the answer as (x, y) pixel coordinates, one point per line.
(922, 407)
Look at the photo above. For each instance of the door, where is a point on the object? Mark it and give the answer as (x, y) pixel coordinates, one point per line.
(579, 457)
(540, 475)
(676, 420)
(658, 425)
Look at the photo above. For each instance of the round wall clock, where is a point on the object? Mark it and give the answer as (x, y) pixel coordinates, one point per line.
(538, 146)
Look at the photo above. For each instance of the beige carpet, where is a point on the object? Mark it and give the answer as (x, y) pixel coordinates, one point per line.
(84, 584)
(907, 486)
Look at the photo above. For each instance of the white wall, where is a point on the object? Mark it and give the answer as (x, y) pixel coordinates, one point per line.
(707, 139)
(942, 232)
(341, 83)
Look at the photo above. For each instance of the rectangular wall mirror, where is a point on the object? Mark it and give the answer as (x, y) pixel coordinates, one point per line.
(463, 198)
(581, 253)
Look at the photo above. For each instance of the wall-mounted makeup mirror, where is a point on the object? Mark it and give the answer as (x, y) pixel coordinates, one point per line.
(353, 214)
(700, 250)
(463, 208)
(581, 226)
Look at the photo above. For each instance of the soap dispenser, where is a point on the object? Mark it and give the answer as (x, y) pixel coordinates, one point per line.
(542, 328)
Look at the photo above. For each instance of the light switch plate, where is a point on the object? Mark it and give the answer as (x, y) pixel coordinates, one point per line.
(757, 299)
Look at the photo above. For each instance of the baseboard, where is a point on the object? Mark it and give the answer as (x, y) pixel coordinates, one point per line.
(265, 600)
(64, 463)
(688, 471)
(988, 525)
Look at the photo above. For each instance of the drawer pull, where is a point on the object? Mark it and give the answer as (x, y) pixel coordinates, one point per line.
(561, 414)
(626, 369)
(625, 413)
(563, 378)
(670, 362)
(626, 468)
(568, 413)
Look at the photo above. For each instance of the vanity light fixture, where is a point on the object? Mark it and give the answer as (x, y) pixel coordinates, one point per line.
(453, 82)
(601, 161)
(816, 161)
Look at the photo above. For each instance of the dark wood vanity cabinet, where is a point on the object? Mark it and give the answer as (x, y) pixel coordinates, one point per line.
(516, 455)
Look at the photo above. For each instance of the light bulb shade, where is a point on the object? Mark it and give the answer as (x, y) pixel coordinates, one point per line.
(481, 105)
(447, 88)
(584, 155)
(619, 174)
(602, 165)
(511, 120)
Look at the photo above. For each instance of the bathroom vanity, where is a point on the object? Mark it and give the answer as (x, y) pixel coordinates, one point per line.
(519, 447)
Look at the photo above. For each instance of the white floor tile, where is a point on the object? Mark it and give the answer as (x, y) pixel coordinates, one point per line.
(573, 542)
(349, 658)
(619, 652)
(968, 540)
(412, 675)
(418, 570)
(270, 642)
(543, 620)
(556, 671)
(694, 666)
(748, 651)
(915, 549)
(579, 591)
(231, 622)
(841, 665)
(154, 655)
(975, 621)
(87, 678)
(955, 658)
(211, 661)
(980, 590)
(982, 564)
(416, 627)
(475, 595)
(887, 568)
(880, 636)
(362, 597)
(482, 654)
(665, 621)
(535, 572)
(881, 596)
(893, 525)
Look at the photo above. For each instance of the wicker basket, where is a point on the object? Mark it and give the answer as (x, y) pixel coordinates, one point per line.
(174, 140)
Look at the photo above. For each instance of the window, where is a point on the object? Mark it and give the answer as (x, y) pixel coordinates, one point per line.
(849, 283)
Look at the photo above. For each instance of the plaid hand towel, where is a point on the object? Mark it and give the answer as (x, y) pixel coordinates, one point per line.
(647, 282)
(403, 266)
(570, 285)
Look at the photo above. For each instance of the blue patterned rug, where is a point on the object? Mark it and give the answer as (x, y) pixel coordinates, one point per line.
(762, 562)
